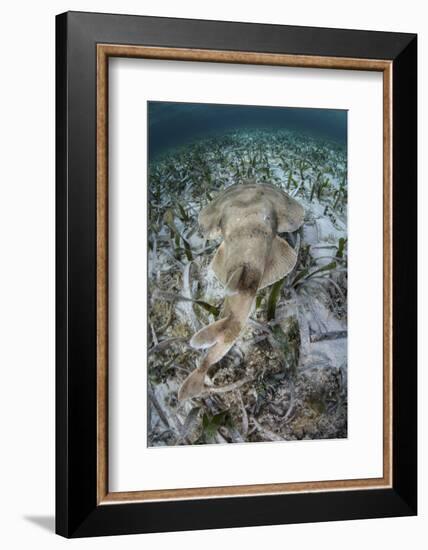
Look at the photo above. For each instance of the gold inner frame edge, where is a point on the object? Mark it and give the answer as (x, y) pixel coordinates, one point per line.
(104, 51)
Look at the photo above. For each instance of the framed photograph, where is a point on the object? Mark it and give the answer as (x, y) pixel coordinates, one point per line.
(236, 274)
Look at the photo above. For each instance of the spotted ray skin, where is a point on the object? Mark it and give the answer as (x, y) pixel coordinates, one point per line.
(252, 256)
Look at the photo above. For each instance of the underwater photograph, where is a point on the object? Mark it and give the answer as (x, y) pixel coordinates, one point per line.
(247, 274)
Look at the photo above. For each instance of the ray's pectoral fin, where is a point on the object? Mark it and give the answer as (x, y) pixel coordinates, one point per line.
(290, 213)
(281, 261)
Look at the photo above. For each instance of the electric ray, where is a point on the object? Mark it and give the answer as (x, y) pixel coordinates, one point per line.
(252, 256)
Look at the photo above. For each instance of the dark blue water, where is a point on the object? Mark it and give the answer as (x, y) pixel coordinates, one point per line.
(174, 124)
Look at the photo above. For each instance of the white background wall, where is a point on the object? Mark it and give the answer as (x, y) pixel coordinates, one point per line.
(27, 272)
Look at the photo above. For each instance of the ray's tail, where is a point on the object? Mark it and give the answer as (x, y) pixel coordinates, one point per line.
(217, 338)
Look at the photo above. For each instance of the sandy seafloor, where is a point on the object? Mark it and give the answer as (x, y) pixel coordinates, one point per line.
(286, 376)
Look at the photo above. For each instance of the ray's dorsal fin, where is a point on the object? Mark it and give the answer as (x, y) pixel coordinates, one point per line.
(217, 339)
(218, 265)
(234, 280)
(281, 261)
(208, 336)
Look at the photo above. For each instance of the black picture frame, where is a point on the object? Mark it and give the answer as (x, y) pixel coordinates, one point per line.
(77, 512)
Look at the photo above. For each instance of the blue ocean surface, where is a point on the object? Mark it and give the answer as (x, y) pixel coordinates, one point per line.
(173, 124)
